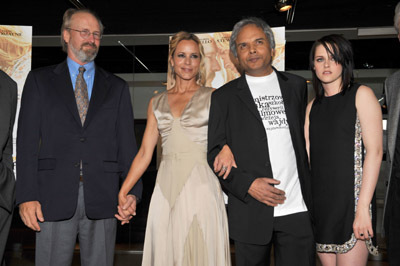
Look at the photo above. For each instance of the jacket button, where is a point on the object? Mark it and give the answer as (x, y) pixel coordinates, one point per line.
(77, 165)
(82, 139)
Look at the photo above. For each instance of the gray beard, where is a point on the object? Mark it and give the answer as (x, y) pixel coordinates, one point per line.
(84, 56)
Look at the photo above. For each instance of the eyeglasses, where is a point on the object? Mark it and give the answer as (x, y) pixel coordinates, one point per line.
(86, 34)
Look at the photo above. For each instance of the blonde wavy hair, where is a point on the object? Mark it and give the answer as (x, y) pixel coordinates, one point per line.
(180, 36)
(232, 66)
(13, 46)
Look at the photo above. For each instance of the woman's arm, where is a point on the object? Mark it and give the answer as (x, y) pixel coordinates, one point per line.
(224, 162)
(370, 115)
(139, 165)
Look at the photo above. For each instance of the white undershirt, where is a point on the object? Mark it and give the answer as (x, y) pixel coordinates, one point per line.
(268, 99)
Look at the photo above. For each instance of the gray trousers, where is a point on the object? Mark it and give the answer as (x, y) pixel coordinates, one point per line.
(55, 243)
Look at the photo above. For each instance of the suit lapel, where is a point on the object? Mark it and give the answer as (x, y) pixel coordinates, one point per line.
(246, 97)
(287, 96)
(62, 83)
(394, 110)
(99, 92)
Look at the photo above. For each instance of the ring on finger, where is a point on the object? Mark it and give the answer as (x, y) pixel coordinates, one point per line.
(361, 234)
(224, 168)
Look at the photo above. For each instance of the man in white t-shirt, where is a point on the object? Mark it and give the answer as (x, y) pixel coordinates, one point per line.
(261, 117)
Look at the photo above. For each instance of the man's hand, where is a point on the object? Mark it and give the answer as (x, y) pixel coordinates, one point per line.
(31, 212)
(262, 189)
(130, 204)
(126, 208)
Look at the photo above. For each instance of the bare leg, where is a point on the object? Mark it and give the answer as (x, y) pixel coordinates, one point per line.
(327, 259)
(357, 256)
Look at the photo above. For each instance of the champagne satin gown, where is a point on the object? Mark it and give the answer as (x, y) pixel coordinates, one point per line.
(187, 224)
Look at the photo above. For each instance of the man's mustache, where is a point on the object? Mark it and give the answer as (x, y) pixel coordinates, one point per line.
(89, 44)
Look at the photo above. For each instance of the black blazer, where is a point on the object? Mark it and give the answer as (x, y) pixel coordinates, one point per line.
(235, 120)
(51, 142)
(8, 107)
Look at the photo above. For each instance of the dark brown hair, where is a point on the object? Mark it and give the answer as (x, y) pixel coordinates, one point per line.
(341, 51)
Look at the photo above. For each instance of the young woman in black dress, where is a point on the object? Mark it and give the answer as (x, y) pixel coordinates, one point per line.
(343, 133)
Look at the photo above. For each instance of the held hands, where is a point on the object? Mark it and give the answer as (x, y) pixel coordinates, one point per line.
(126, 208)
(224, 162)
(362, 225)
(262, 189)
(31, 212)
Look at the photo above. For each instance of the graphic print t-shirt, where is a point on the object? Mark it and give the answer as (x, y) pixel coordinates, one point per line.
(268, 99)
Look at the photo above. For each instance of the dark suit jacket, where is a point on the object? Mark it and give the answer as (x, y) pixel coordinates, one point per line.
(393, 106)
(235, 120)
(8, 106)
(51, 142)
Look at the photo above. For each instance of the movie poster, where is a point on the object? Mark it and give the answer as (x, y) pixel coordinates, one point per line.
(16, 58)
(220, 63)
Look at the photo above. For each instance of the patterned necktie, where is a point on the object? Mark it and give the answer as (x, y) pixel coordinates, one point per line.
(81, 95)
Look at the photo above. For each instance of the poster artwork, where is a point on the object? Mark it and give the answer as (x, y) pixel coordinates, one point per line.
(16, 59)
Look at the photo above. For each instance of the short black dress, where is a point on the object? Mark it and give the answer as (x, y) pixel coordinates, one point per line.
(336, 158)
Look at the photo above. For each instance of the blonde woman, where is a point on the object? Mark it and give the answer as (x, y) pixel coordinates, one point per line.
(187, 222)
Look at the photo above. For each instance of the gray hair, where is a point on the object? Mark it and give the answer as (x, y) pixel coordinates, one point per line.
(397, 17)
(255, 21)
(67, 22)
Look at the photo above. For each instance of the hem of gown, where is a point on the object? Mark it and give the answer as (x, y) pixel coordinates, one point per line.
(347, 246)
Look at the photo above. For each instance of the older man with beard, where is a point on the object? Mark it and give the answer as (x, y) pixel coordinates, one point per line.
(75, 141)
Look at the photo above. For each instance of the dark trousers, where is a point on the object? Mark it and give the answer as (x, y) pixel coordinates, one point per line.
(392, 222)
(293, 243)
(5, 224)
